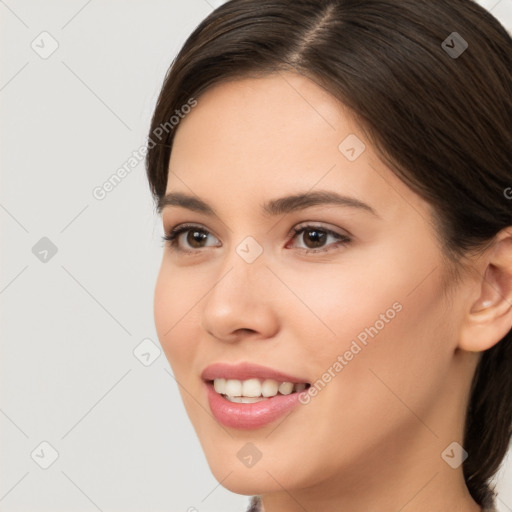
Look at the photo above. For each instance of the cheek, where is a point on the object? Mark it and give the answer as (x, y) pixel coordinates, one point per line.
(400, 367)
(174, 317)
(391, 329)
(332, 305)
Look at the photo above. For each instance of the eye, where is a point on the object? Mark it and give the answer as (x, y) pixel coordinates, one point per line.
(315, 238)
(194, 236)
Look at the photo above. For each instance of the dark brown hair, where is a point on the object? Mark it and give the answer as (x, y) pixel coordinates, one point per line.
(442, 122)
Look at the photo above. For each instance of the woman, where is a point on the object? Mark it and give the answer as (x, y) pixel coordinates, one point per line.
(335, 294)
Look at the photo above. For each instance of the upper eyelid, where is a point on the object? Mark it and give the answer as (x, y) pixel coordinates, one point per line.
(320, 226)
(301, 225)
(295, 231)
(185, 226)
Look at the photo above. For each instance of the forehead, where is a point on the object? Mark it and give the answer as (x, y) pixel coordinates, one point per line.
(271, 112)
(261, 137)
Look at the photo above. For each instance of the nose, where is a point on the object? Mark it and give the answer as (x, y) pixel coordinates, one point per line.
(242, 302)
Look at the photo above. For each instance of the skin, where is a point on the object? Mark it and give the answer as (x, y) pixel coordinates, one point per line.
(372, 439)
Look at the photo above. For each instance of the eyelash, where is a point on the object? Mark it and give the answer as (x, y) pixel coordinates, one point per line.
(171, 238)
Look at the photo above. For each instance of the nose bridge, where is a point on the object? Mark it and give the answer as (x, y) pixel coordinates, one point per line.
(240, 297)
(243, 272)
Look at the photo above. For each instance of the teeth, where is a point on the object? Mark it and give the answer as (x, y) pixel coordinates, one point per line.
(285, 388)
(233, 387)
(269, 387)
(244, 400)
(220, 385)
(252, 390)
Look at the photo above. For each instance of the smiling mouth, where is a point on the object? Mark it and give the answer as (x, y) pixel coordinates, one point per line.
(255, 390)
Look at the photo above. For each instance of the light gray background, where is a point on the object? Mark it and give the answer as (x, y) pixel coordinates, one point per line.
(70, 324)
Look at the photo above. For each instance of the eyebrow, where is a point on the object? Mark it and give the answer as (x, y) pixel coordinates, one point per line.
(273, 207)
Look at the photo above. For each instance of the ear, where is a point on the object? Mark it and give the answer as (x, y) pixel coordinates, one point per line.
(489, 318)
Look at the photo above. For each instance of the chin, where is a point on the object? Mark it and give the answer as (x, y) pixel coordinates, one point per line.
(247, 481)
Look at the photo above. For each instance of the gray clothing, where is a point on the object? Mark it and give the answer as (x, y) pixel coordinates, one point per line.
(256, 506)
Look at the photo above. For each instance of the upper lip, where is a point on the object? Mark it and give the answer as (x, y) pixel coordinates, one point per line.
(246, 370)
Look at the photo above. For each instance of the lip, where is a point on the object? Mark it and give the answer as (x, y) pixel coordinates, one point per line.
(252, 415)
(246, 370)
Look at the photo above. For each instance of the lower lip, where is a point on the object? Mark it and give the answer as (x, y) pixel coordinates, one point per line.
(250, 416)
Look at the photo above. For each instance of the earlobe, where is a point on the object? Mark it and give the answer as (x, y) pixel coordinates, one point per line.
(489, 318)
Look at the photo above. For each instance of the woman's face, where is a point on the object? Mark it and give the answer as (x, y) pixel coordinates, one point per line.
(352, 304)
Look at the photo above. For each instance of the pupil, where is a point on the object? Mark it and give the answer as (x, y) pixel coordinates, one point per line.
(317, 238)
(194, 238)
